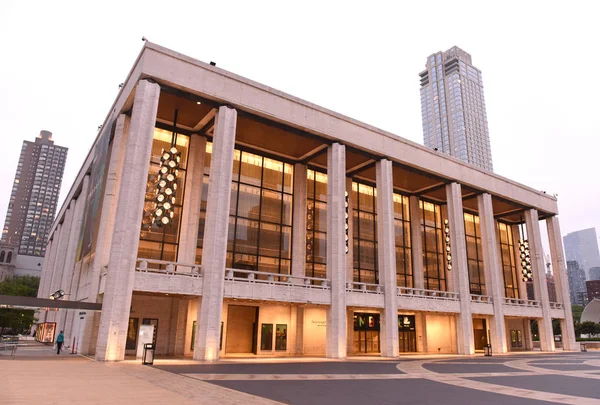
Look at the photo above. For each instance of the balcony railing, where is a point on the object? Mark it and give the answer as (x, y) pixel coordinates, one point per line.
(486, 299)
(556, 305)
(261, 277)
(166, 267)
(521, 302)
(364, 288)
(427, 294)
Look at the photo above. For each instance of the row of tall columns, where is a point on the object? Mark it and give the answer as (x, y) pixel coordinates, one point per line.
(110, 202)
(214, 250)
(112, 334)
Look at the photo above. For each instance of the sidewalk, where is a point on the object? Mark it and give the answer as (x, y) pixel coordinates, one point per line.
(71, 379)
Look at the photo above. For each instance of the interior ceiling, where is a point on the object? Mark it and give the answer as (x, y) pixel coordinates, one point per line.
(296, 145)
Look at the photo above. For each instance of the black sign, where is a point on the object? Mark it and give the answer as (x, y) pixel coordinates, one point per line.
(406, 322)
(364, 321)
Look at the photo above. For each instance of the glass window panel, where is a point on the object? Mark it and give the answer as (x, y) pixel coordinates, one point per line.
(249, 202)
(169, 252)
(286, 241)
(236, 164)
(320, 271)
(320, 216)
(366, 226)
(271, 206)
(251, 168)
(320, 247)
(471, 248)
(366, 198)
(273, 174)
(288, 178)
(399, 232)
(208, 159)
(287, 210)
(270, 239)
(149, 250)
(234, 198)
(230, 234)
(171, 233)
(368, 255)
(310, 184)
(268, 264)
(320, 186)
(246, 236)
(469, 225)
(284, 266)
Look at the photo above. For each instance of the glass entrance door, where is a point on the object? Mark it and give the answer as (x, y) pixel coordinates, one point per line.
(408, 341)
(366, 333)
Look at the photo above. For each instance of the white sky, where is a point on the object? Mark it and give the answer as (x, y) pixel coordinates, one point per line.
(62, 62)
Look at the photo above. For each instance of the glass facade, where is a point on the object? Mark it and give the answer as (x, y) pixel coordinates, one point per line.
(474, 254)
(162, 243)
(364, 226)
(316, 224)
(260, 221)
(509, 268)
(434, 265)
(404, 275)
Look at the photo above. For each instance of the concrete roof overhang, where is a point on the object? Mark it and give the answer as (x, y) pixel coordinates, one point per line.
(11, 301)
(282, 125)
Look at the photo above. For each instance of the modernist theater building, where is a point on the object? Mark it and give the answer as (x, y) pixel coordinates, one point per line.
(241, 221)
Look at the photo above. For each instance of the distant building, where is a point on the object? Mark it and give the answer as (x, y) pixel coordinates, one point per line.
(595, 273)
(453, 108)
(582, 247)
(576, 282)
(593, 289)
(551, 287)
(34, 195)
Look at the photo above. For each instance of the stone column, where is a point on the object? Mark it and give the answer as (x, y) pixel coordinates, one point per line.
(112, 333)
(210, 308)
(336, 250)
(416, 243)
(188, 236)
(350, 255)
(539, 279)
(51, 280)
(106, 227)
(562, 283)
(386, 257)
(493, 271)
(299, 223)
(460, 269)
(45, 270)
(69, 263)
(299, 348)
(522, 285)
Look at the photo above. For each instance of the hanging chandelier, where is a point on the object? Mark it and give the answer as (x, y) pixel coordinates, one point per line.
(525, 260)
(448, 249)
(166, 183)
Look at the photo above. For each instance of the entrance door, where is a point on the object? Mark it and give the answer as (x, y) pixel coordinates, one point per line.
(407, 334)
(366, 333)
(480, 333)
(242, 329)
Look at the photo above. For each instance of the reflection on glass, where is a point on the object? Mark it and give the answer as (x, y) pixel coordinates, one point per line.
(474, 254)
(266, 336)
(364, 221)
(509, 270)
(281, 337)
(433, 253)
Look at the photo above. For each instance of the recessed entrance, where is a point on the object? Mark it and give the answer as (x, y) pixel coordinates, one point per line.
(407, 334)
(366, 333)
(480, 333)
(242, 329)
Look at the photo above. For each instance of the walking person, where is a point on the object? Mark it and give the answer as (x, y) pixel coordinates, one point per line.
(59, 341)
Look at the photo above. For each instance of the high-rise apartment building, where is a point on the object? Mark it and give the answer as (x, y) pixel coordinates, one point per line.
(453, 108)
(576, 278)
(582, 247)
(34, 195)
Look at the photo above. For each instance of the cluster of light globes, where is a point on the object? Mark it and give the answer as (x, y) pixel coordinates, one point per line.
(346, 215)
(166, 187)
(525, 260)
(447, 240)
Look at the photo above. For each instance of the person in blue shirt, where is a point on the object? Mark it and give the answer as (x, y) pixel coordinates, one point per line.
(59, 341)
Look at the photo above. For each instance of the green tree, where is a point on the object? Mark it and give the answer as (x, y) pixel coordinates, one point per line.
(18, 320)
(588, 328)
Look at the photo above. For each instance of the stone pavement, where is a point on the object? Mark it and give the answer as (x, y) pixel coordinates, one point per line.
(38, 375)
(45, 378)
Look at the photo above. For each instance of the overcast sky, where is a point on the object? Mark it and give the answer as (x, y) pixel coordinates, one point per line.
(62, 62)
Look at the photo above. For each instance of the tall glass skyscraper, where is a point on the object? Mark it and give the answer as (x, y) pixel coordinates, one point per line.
(582, 247)
(34, 195)
(453, 108)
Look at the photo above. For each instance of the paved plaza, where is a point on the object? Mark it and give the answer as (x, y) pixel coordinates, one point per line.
(35, 375)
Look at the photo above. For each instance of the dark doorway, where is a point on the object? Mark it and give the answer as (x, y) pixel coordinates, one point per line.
(366, 333)
(407, 334)
(480, 334)
(242, 329)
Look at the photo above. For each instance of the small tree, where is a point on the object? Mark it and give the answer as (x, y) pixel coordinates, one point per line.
(589, 328)
(18, 320)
